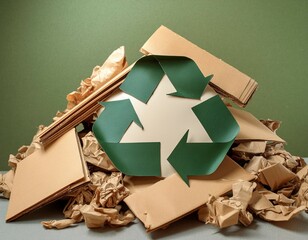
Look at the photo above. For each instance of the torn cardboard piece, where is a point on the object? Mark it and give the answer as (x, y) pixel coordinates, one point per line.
(227, 80)
(251, 128)
(175, 199)
(47, 175)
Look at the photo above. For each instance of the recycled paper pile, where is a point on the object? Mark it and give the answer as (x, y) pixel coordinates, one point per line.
(159, 140)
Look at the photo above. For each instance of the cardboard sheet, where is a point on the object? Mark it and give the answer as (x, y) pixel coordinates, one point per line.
(170, 199)
(251, 128)
(227, 80)
(47, 175)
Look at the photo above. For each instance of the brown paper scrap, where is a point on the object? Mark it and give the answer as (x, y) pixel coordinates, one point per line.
(114, 64)
(170, 199)
(224, 212)
(263, 208)
(111, 192)
(99, 217)
(25, 151)
(255, 164)
(251, 128)
(94, 154)
(98, 203)
(275, 176)
(254, 147)
(6, 183)
(83, 110)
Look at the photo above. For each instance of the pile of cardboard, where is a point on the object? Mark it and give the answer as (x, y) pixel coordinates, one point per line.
(257, 177)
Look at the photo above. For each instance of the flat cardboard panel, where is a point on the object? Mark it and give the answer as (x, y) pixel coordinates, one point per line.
(170, 199)
(46, 175)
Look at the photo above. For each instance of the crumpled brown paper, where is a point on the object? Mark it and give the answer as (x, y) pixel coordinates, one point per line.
(271, 210)
(94, 154)
(6, 183)
(58, 224)
(224, 212)
(114, 64)
(25, 151)
(96, 217)
(281, 179)
(97, 204)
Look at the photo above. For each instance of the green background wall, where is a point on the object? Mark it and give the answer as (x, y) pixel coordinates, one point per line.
(48, 47)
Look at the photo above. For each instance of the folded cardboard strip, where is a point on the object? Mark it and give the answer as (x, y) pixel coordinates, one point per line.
(171, 199)
(82, 110)
(227, 80)
(47, 175)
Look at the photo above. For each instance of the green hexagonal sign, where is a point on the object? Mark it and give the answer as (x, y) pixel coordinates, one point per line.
(187, 158)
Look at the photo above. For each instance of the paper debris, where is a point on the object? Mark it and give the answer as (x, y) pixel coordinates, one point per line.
(84, 110)
(6, 183)
(99, 217)
(266, 210)
(58, 224)
(275, 176)
(97, 204)
(224, 212)
(254, 147)
(114, 64)
(94, 154)
(25, 151)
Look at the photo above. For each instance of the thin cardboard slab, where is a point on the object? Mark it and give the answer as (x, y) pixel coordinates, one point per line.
(171, 199)
(251, 128)
(82, 111)
(47, 175)
(227, 80)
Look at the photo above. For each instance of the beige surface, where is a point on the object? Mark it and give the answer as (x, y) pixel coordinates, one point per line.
(46, 175)
(251, 128)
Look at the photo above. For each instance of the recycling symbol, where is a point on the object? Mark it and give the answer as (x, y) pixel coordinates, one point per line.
(193, 157)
